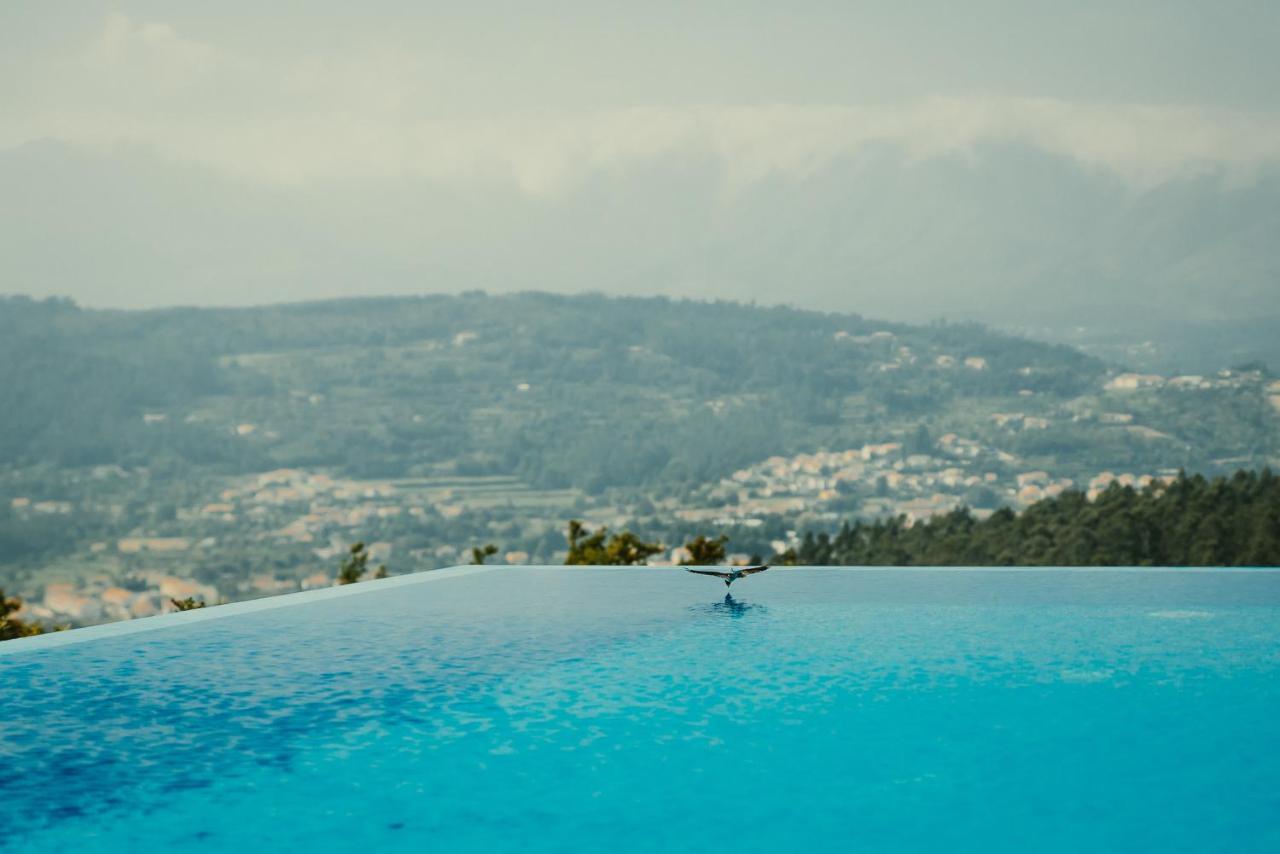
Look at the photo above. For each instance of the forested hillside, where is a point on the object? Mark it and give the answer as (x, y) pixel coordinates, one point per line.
(583, 391)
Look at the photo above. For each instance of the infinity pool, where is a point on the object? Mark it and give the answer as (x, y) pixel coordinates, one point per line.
(558, 709)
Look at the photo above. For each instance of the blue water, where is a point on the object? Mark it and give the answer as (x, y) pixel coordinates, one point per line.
(631, 710)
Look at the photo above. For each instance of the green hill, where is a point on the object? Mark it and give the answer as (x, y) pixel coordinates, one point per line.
(619, 391)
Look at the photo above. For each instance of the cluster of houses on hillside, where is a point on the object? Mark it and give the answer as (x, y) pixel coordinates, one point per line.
(100, 597)
(885, 480)
(1186, 382)
(901, 355)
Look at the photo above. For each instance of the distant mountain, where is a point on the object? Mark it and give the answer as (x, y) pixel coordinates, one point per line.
(1174, 347)
(1004, 234)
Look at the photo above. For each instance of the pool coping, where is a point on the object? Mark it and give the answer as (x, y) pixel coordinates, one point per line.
(120, 628)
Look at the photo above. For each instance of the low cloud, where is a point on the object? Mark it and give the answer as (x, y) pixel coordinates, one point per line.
(368, 116)
(154, 46)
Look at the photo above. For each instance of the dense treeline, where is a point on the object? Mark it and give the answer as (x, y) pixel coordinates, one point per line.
(1192, 521)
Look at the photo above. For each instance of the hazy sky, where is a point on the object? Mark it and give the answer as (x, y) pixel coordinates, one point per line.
(258, 114)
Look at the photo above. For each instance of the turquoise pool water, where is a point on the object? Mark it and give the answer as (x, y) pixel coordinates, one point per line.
(554, 709)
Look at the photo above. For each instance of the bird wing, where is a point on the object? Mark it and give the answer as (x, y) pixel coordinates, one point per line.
(752, 570)
(716, 573)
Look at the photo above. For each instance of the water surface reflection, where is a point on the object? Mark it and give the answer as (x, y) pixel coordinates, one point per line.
(730, 607)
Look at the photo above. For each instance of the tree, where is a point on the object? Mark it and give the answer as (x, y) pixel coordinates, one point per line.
(599, 549)
(356, 565)
(480, 554)
(11, 627)
(706, 552)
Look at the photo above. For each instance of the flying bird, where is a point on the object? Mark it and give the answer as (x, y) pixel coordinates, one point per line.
(733, 574)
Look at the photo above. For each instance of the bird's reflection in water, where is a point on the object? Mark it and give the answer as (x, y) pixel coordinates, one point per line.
(730, 607)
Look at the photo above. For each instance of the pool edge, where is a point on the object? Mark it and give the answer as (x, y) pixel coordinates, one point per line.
(50, 640)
